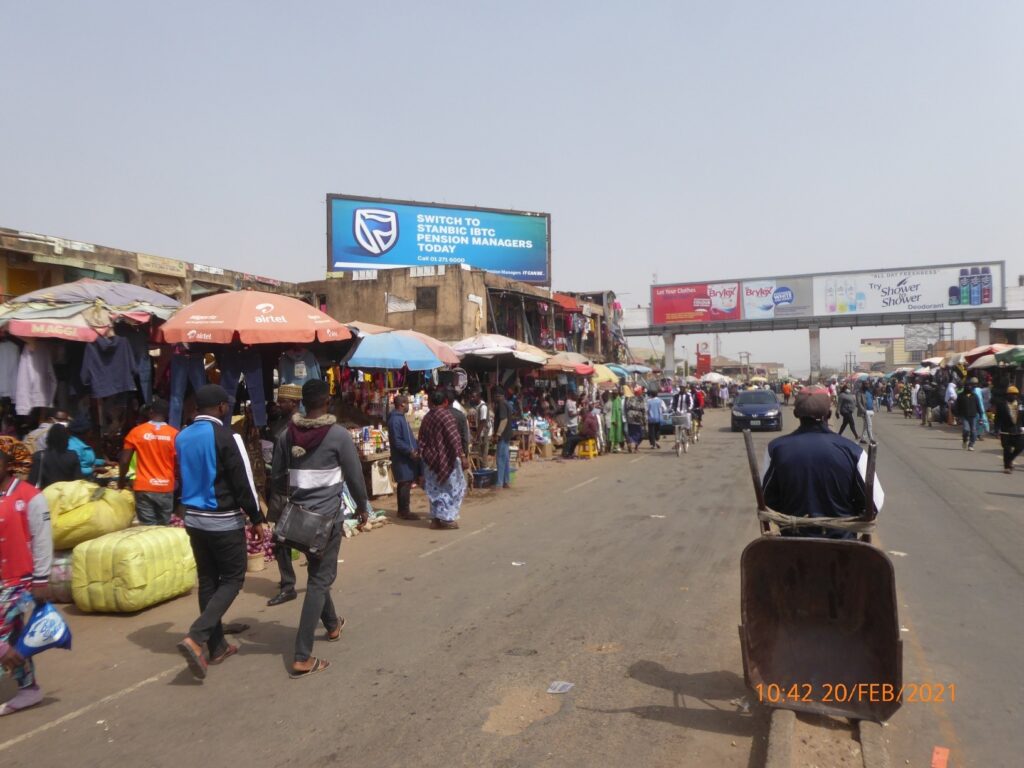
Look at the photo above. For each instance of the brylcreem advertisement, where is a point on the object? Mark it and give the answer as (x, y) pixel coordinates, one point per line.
(953, 287)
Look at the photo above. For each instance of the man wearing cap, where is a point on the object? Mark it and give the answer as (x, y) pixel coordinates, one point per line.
(968, 408)
(814, 472)
(288, 398)
(314, 461)
(218, 494)
(1008, 422)
(405, 456)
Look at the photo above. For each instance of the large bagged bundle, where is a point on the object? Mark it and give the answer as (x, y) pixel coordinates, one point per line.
(60, 578)
(130, 570)
(81, 511)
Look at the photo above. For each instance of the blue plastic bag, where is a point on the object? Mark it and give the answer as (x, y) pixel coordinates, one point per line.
(45, 629)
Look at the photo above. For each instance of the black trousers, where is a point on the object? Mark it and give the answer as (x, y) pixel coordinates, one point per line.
(404, 497)
(654, 433)
(283, 556)
(848, 422)
(220, 561)
(1013, 446)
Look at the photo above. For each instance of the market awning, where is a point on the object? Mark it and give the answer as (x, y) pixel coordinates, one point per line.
(393, 351)
(566, 302)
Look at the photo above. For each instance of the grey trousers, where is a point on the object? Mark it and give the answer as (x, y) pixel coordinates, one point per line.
(318, 607)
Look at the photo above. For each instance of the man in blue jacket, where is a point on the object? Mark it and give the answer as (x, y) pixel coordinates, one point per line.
(405, 456)
(813, 472)
(218, 494)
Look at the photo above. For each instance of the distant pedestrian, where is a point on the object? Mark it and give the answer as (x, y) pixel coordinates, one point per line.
(617, 423)
(289, 400)
(968, 408)
(503, 436)
(655, 416)
(405, 456)
(866, 408)
(153, 444)
(315, 460)
(636, 420)
(218, 494)
(847, 408)
(1009, 421)
(56, 463)
(443, 461)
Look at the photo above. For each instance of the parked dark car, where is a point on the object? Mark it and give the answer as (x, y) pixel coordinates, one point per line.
(756, 409)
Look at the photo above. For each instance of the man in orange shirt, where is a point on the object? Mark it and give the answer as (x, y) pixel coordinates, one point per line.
(787, 390)
(153, 443)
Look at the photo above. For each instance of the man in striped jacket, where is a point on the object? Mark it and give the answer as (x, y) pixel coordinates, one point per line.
(314, 460)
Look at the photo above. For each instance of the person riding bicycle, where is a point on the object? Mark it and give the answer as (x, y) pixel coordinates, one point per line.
(682, 414)
(698, 408)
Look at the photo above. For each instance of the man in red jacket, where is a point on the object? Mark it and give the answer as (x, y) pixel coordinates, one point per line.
(26, 554)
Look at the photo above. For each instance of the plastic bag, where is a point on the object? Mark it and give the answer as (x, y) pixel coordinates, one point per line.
(45, 629)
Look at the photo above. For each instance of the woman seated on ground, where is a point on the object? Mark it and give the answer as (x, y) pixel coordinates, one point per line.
(56, 463)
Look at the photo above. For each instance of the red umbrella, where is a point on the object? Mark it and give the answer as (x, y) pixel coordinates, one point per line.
(985, 349)
(254, 317)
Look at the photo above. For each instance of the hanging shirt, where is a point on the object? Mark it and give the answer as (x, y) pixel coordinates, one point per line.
(37, 383)
(109, 366)
(297, 366)
(9, 356)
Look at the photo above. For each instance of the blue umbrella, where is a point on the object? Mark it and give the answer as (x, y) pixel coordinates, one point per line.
(393, 351)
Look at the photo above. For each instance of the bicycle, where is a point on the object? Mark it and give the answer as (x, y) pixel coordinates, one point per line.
(683, 424)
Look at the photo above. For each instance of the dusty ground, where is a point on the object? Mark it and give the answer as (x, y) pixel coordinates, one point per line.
(450, 647)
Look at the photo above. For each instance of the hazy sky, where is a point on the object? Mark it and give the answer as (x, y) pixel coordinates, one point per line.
(692, 140)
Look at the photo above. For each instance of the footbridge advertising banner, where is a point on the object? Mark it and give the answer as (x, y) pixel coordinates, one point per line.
(377, 233)
(962, 287)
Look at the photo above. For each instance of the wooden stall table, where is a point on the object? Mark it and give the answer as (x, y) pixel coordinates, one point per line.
(370, 462)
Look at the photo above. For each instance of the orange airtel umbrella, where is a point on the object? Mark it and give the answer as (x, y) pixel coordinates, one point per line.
(254, 317)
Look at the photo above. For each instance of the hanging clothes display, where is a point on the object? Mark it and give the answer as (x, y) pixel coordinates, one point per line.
(244, 363)
(109, 366)
(137, 337)
(37, 383)
(297, 366)
(10, 354)
(187, 367)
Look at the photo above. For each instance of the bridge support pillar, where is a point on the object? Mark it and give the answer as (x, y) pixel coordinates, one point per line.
(814, 338)
(670, 353)
(983, 331)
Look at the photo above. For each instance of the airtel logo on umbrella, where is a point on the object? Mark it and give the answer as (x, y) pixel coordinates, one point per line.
(264, 315)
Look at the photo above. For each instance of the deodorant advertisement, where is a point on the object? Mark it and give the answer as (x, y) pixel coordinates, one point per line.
(952, 287)
(930, 289)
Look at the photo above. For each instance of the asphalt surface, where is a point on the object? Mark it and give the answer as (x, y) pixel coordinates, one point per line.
(619, 575)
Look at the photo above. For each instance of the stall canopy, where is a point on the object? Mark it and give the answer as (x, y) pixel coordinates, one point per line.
(1011, 356)
(714, 378)
(636, 368)
(985, 361)
(392, 351)
(498, 349)
(570, 362)
(604, 377)
(618, 370)
(985, 349)
(252, 317)
(442, 351)
(82, 310)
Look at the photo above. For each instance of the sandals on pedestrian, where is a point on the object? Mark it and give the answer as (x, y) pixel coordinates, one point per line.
(331, 636)
(319, 665)
(193, 657)
(228, 652)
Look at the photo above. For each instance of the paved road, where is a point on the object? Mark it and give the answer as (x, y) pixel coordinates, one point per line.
(628, 588)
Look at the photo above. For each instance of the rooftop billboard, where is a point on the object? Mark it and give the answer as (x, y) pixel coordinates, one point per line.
(977, 286)
(377, 233)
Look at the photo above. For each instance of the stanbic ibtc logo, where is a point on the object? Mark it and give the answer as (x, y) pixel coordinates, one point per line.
(376, 229)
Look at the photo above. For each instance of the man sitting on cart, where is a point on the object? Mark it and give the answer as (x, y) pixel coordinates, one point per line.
(814, 472)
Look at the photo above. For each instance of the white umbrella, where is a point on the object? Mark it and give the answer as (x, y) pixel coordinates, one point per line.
(713, 378)
(985, 361)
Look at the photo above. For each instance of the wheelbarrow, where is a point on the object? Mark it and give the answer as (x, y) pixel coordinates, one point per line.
(820, 631)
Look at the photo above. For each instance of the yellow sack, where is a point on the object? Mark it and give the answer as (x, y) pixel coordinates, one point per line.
(80, 510)
(130, 570)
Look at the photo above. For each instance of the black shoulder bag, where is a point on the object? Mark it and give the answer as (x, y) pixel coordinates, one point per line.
(301, 528)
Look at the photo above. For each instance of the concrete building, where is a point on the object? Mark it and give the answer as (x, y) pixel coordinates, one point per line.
(30, 261)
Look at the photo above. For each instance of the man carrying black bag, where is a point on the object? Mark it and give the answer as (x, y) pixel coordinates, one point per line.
(314, 459)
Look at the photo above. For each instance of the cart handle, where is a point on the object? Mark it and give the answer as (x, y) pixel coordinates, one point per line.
(755, 477)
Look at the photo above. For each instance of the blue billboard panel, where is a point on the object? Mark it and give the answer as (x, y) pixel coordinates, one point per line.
(374, 233)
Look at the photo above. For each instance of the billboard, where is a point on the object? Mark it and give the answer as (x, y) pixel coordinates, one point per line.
(927, 289)
(377, 233)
